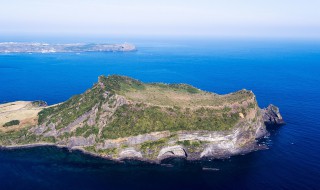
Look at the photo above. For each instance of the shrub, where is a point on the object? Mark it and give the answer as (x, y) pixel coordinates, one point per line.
(11, 123)
(130, 121)
(86, 131)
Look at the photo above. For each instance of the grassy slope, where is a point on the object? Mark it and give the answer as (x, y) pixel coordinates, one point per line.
(173, 107)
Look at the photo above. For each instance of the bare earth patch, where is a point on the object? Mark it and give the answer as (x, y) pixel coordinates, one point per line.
(23, 111)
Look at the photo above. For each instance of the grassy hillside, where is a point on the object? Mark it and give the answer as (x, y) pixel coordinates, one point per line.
(118, 106)
(152, 107)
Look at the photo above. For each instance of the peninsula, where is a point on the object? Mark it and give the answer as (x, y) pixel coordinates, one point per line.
(14, 47)
(122, 118)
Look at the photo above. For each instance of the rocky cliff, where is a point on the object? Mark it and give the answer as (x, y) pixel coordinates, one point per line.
(123, 118)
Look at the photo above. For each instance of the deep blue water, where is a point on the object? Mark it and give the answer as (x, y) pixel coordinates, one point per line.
(285, 73)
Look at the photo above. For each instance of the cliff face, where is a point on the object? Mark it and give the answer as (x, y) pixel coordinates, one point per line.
(121, 118)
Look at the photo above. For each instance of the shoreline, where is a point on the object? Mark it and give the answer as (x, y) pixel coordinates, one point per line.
(82, 150)
(245, 150)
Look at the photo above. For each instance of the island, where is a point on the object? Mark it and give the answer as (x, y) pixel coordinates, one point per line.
(122, 118)
(16, 47)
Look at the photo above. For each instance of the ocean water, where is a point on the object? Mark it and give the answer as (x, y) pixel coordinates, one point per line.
(285, 73)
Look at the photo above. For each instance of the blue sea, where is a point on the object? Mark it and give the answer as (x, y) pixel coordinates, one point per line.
(282, 72)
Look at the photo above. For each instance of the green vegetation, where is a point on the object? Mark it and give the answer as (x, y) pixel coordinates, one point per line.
(39, 103)
(152, 145)
(188, 143)
(124, 146)
(20, 137)
(193, 145)
(109, 151)
(251, 105)
(116, 83)
(183, 96)
(155, 107)
(119, 107)
(90, 148)
(130, 120)
(86, 131)
(151, 148)
(11, 123)
(17, 137)
(49, 139)
(66, 135)
(67, 112)
(177, 87)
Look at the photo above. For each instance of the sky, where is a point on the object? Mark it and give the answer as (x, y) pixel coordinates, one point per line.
(202, 18)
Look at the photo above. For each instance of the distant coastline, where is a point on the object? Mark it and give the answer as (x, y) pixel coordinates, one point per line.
(17, 47)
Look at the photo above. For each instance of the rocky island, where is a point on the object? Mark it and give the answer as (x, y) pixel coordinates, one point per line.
(122, 118)
(14, 47)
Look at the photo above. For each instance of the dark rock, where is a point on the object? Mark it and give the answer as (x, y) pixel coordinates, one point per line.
(271, 116)
(39, 103)
(130, 153)
(172, 151)
(81, 141)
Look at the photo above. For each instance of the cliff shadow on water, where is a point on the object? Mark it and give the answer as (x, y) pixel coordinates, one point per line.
(47, 155)
(86, 171)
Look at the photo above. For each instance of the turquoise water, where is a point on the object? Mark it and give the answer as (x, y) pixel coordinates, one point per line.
(285, 73)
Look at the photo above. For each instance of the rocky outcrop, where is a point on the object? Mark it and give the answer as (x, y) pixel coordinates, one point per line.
(271, 116)
(221, 150)
(76, 122)
(39, 103)
(134, 140)
(172, 151)
(130, 153)
(81, 141)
